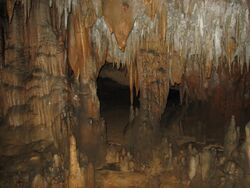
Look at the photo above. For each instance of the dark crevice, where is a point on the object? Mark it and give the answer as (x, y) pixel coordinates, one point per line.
(115, 104)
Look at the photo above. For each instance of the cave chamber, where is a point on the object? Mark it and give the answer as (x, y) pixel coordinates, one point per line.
(125, 93)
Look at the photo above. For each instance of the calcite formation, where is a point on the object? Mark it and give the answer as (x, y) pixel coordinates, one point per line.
(52, 51)
(77, 176)
(39, 181)
(195, 44)
(232, 137)
(247, 146)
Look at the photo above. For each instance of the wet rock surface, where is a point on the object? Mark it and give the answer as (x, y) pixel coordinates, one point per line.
(52, 131)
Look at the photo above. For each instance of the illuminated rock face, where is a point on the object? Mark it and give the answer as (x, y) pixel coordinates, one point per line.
(76, 174)
(203, 47)
(119, 17)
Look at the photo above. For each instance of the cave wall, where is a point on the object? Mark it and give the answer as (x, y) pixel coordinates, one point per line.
(201, 46)
(34, 86)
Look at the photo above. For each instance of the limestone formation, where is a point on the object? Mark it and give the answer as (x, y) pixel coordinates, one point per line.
(51, 56)
(90, 180)
(206, 163)
(232, 137)
(112, 155)
(126, 161)
(39, 182)
(76, 174)
(85, 34)
(193, 162)
(247, 145)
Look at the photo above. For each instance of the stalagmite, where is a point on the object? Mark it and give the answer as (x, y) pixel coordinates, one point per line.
(10, 9)
(206, 161)
(232, 137)
(193, 162)
(247, 147)
(76, 174)
(90, 176)
(39, 182)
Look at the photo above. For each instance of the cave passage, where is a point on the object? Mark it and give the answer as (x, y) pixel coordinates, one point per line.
(182, 122)
(114, 103)
(193, 121)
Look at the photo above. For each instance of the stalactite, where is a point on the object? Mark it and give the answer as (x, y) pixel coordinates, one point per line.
(10, 9)
(63, 9)
(131, 83)
(136, 80)
(27, 7)
(163, 23)
(190, 30)
(205, 15)
(119, 23)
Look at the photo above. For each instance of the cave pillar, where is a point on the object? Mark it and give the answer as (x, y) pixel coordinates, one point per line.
(91, 126)
(154, 88)
(154, 85)
(90, 129)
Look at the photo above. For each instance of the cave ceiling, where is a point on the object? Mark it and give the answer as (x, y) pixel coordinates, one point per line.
(205, 30)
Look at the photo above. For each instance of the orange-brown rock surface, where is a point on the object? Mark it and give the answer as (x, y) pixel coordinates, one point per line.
(51, 53)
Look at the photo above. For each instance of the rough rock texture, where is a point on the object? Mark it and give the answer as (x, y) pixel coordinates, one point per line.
(77, 176)
(232, 137)
(33, 75)
(201, 45)
(39, 182)
(51, 53)
(247, 146)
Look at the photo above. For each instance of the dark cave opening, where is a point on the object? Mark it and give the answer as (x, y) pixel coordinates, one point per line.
(173, 113)
(193, 121)
(190, 121)
(114, 96)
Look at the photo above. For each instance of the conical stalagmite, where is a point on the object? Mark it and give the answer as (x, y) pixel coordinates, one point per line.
(193, 162)
(76, 174)
(205, 160)
(90, 176)
(247, 147)
(231, 138)
(39, 182)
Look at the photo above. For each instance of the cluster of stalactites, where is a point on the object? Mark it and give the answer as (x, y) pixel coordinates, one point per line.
(194, 35)
(63, 7)
(11, 5)
(208, 31)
